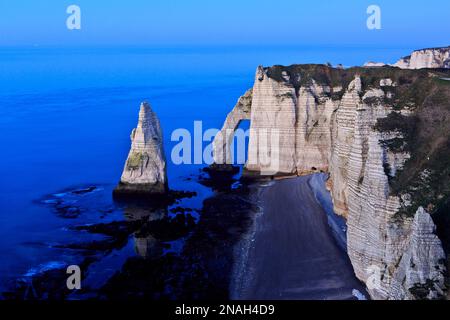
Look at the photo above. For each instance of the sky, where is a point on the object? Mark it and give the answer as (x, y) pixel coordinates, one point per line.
(211, 22)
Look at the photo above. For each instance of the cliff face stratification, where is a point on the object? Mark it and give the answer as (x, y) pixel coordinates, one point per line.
(426, 58)
(364, 126)
(145, 168)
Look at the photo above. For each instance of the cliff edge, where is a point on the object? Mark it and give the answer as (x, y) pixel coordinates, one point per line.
(430, 58)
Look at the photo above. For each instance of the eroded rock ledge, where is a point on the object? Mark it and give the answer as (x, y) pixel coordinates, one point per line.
(370, 129)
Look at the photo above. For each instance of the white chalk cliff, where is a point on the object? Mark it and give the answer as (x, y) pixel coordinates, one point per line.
(330, 127)
(431, 58)
(145, 168)
(426, 58)
(374, 64)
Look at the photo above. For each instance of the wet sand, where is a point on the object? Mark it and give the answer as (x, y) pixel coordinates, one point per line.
(293, 253)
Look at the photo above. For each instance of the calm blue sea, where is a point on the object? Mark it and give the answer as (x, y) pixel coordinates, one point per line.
(66, 115)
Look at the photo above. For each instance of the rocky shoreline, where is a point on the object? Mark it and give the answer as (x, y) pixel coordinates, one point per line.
(176, 255)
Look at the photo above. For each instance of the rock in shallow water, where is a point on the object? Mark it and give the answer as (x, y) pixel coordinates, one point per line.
(145, 169)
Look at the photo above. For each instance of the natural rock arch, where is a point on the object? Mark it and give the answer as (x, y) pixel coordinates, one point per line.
(223, 140)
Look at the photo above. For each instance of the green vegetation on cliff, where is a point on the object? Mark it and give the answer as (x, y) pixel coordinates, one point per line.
(426, 136)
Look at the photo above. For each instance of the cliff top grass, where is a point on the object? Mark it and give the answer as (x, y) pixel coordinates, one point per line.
(302, 75)
(434, 48)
